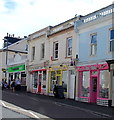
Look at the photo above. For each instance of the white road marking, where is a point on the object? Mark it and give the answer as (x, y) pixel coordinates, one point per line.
(33, 114)
(28, 113)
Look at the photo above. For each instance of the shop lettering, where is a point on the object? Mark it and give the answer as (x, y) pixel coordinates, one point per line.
(92, 67)
(103, 13)
(15, 69)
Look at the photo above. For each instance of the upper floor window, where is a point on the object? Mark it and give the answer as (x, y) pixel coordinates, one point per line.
(33, 53)
(69, 47)
(55, 50)
(26, 48)
(93, 44)
(42, 50)
(112, 40)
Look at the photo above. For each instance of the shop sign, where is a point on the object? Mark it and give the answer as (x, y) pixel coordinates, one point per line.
(54, 68)
(93, 67)
(17, 68)
(103, 66)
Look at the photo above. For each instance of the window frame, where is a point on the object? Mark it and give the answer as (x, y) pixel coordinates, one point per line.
(110, 40)
(54, 43)
(93, 51)
(42, 56)
(33, 53)
(67, 48)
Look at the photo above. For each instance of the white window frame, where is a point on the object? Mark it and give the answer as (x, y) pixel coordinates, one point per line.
(54, 50)
(93, 46)
(111, 40)
(67, 47)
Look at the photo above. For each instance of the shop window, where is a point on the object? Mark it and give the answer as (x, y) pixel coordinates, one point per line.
(44, 79)
(85, 84)
(93, 44)
(11, 76)
(112, 40)
(35, 79)
(64, 81)
(23, 78)
(52, 80)
(55, 50)
(104, 84)
(42, 50)
(33, 53)
(69, 47)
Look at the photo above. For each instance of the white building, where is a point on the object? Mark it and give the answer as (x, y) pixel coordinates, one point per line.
(13, 60)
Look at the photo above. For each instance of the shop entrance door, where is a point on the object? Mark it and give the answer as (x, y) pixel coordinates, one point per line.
(93, 93)
(71, 85)
(59, 77)
(39, 82)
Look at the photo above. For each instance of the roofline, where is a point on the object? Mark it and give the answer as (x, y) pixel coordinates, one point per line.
(64, 22)
(16, 42)
(98, 10)
(40, 30)
(60, 31)
(16, 51)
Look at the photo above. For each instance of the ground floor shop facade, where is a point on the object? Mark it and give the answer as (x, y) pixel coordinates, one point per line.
(62, 75)
(111, 69)
(57, 75)
(38, 79)
(94, 83)
(18, 71)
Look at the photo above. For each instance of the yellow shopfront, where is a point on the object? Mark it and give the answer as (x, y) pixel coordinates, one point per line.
(58, 76)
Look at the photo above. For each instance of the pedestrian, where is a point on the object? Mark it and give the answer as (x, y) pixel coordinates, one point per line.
(55, 91)
(13, 85)
(18, 84)
(3, 84)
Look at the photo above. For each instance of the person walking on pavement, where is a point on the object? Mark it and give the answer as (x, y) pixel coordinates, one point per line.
(13, 85)
(18, 84)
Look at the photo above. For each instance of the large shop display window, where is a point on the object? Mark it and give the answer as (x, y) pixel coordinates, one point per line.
(52, 80)
(23, 78)
(55, 79)
(35, 79)
(64, 81)
(104, 84)
(44, 79)
(85, 84)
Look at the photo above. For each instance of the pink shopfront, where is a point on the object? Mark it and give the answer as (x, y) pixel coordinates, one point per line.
(94, 82)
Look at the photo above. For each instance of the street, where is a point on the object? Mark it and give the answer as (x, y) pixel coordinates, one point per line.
(50, 108)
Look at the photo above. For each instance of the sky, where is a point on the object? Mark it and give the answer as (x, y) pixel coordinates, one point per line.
(23, 17)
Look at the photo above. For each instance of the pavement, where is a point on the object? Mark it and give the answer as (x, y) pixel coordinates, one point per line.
(92, 108)
(8, 113)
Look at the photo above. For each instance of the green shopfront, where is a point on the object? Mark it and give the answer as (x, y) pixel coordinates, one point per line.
(18, 71)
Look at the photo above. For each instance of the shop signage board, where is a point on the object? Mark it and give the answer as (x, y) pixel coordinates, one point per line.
(92, 67)
(17, 68)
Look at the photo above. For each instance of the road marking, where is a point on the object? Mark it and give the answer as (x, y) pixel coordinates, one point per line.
(28, 113)
(71, 106)
(33, 114)
(92, 112)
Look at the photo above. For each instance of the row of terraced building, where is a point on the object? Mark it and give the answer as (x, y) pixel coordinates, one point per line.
(76, 54)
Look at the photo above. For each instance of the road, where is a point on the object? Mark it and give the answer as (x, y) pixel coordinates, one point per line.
(51, 109)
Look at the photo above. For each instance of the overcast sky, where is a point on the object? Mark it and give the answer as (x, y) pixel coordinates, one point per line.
(23, 17)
